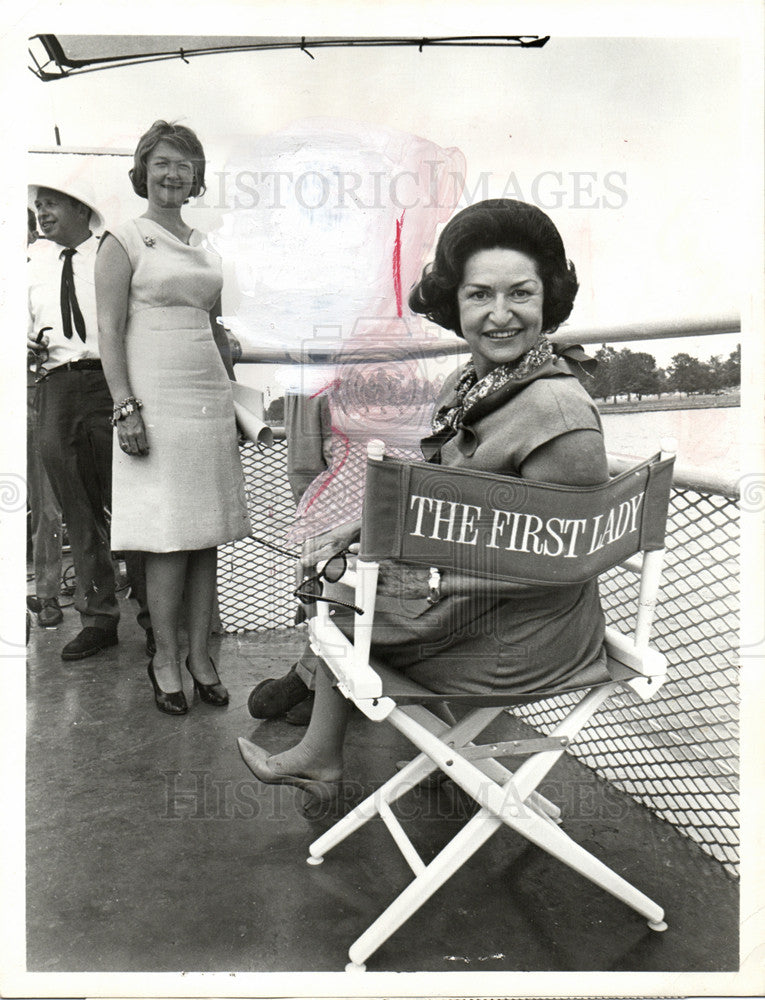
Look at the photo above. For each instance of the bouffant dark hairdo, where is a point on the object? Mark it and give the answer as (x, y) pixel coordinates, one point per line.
(510, 225)
(182, 138)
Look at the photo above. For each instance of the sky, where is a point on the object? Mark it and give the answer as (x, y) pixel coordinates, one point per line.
(631, 144)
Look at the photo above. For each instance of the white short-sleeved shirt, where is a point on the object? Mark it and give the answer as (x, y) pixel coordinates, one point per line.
(44, 277)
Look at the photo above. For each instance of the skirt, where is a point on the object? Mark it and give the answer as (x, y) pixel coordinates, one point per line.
(188, 492)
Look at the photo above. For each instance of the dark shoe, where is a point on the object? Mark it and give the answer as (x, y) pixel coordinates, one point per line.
(34, 604)
(256, 758)
(213, 694)
(151, 645)
(89, 642)
(172, 702)
(275, 696)
(300, 715)
(50, 614)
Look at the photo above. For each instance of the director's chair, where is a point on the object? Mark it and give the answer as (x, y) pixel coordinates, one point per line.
(460, 521)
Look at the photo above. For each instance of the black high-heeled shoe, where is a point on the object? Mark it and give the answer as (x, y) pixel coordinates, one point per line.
(213, 694)
(172, 702)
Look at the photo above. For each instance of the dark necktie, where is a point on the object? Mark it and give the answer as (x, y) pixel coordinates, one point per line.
(70, 308)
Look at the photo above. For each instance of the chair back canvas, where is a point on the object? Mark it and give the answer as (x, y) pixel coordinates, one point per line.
(507, 528)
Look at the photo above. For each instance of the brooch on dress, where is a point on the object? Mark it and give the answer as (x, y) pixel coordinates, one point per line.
(149, 241)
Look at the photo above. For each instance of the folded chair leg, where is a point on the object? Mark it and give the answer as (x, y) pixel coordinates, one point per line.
(556, 842)
(543, 832)
(506, 803)
(442, 867)
(535, 800)
(399, 784)
(406, 779)
(559, 844)
(532, 806)
(501, 774)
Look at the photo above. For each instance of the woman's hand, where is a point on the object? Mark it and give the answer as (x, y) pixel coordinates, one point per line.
(322, 547)
(131, 434)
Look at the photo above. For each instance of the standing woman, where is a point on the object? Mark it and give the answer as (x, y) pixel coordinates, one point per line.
(178, 490)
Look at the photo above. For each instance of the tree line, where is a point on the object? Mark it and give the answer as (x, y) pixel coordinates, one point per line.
(628, 373)
(618, 373)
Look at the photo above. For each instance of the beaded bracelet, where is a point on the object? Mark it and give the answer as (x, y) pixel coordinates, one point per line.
(124, 409)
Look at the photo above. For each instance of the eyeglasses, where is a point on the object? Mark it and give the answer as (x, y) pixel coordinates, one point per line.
(311, 589)
(184, 168)
(332, 571)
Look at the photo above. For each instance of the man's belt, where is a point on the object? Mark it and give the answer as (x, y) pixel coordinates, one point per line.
(84, 364)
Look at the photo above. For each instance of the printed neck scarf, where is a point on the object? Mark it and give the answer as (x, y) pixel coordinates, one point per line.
(469, 388)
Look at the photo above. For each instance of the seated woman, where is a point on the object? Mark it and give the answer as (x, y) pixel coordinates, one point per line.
(500, 280)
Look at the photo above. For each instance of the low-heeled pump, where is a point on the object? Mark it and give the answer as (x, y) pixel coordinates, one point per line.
(171, 702)
(213, 694)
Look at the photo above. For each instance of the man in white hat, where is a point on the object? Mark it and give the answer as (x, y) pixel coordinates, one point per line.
(74, 403)
(45, 523)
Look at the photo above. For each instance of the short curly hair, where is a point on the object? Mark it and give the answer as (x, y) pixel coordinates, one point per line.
(503, 223)
(184, 139)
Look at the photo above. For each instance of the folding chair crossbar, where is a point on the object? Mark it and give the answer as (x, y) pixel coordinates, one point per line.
(520, 784)
(403, 842)
(422, 765)
(514, 748)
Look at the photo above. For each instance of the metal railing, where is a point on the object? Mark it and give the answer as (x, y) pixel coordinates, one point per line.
(356, 350)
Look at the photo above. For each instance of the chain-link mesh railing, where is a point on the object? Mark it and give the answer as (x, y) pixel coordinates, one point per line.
(678, 753)
(255, 584)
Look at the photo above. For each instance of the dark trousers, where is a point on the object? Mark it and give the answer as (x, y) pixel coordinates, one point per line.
(45, 510)
(75, 435)
(136, 577)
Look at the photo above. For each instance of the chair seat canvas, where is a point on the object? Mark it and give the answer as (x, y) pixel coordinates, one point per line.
(403, 691)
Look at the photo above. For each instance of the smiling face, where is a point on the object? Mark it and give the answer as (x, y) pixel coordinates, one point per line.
(169, 176)
(61, 219)
(500, 306)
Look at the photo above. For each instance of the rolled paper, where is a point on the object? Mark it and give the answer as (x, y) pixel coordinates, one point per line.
(247, 403)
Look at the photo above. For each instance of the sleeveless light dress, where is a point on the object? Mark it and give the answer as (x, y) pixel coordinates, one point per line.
(188, 492)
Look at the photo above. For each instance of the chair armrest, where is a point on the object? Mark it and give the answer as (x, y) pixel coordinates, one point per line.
(348, 660)
(645, 661)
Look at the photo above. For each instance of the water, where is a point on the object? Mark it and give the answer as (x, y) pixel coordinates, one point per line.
(707, 438)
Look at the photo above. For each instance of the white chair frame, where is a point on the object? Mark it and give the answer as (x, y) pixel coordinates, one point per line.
(503, 796)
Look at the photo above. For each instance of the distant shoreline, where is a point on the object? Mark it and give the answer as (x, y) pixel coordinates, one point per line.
(700, 402)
